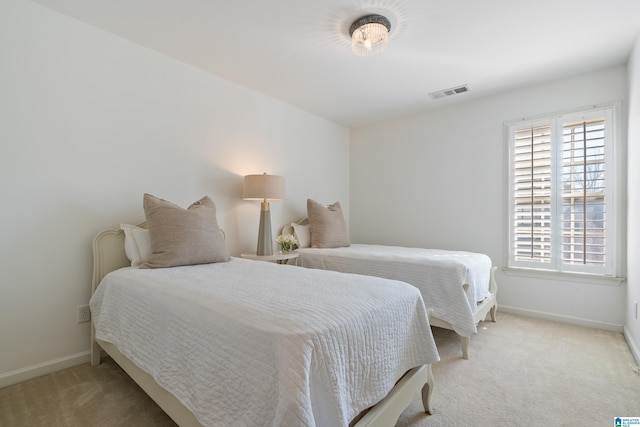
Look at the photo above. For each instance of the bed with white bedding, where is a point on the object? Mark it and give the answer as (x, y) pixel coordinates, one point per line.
(458, 287)
(253, 343)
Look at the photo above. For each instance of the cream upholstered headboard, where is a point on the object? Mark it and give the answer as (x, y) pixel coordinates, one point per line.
(108, 254)
(288, 229)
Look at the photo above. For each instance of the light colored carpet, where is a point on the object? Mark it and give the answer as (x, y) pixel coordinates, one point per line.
(530, 372)
(521, 372)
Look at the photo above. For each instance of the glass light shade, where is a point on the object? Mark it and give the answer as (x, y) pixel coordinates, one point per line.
(370, 35)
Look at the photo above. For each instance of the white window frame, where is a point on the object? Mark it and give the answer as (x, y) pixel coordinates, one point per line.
(612, 267)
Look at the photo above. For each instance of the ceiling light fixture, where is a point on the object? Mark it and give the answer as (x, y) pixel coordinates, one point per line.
(370, 35)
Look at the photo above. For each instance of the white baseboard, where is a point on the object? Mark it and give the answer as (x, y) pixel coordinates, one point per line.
(633, 346)
(562, 318)
(24, 374)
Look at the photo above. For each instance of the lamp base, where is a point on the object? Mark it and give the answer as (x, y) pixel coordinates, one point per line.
(265, 241)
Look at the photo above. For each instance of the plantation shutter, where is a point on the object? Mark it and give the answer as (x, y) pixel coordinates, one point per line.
(562, 193)
(531, 233)
(583, 192)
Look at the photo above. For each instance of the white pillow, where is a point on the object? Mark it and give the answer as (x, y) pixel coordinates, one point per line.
(302, 233)
(137, 244)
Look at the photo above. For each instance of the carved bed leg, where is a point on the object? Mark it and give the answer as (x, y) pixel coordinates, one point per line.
(464, 341)
(95, 348)
(493, 288)
(427, 391)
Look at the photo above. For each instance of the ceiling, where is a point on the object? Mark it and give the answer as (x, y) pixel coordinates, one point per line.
(298, 51)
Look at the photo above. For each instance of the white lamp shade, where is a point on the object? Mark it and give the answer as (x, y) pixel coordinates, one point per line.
(263, 187)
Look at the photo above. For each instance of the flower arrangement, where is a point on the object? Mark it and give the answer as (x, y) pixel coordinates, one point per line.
(286, 242)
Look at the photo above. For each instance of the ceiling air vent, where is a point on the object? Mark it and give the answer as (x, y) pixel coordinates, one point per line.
(448, 92)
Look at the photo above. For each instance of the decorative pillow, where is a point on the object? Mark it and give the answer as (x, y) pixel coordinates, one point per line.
(183, 236)
(137, 245)
(328, 229)
(302, 233)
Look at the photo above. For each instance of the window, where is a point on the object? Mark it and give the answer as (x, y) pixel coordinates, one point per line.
(562, 193)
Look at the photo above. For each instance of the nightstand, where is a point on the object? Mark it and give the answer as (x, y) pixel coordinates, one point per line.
(277, 257)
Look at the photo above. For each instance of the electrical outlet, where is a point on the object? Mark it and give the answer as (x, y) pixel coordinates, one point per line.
(84, 313)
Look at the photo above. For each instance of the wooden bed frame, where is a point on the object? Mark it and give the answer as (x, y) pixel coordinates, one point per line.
(488, 306)
(109, 255)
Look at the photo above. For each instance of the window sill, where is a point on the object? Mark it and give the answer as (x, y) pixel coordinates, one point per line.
(591, 279)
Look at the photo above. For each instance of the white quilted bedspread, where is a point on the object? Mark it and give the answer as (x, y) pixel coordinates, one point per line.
(439, 274)
(249, 343)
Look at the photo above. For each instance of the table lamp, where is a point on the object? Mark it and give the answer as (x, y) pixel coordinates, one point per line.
(264, 187)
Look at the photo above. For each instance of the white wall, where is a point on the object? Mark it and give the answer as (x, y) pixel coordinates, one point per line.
(89, 122)
(438, 179)
(632, 325)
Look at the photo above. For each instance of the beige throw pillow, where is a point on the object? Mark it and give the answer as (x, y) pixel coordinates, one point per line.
(183, 236)
(328, 228)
